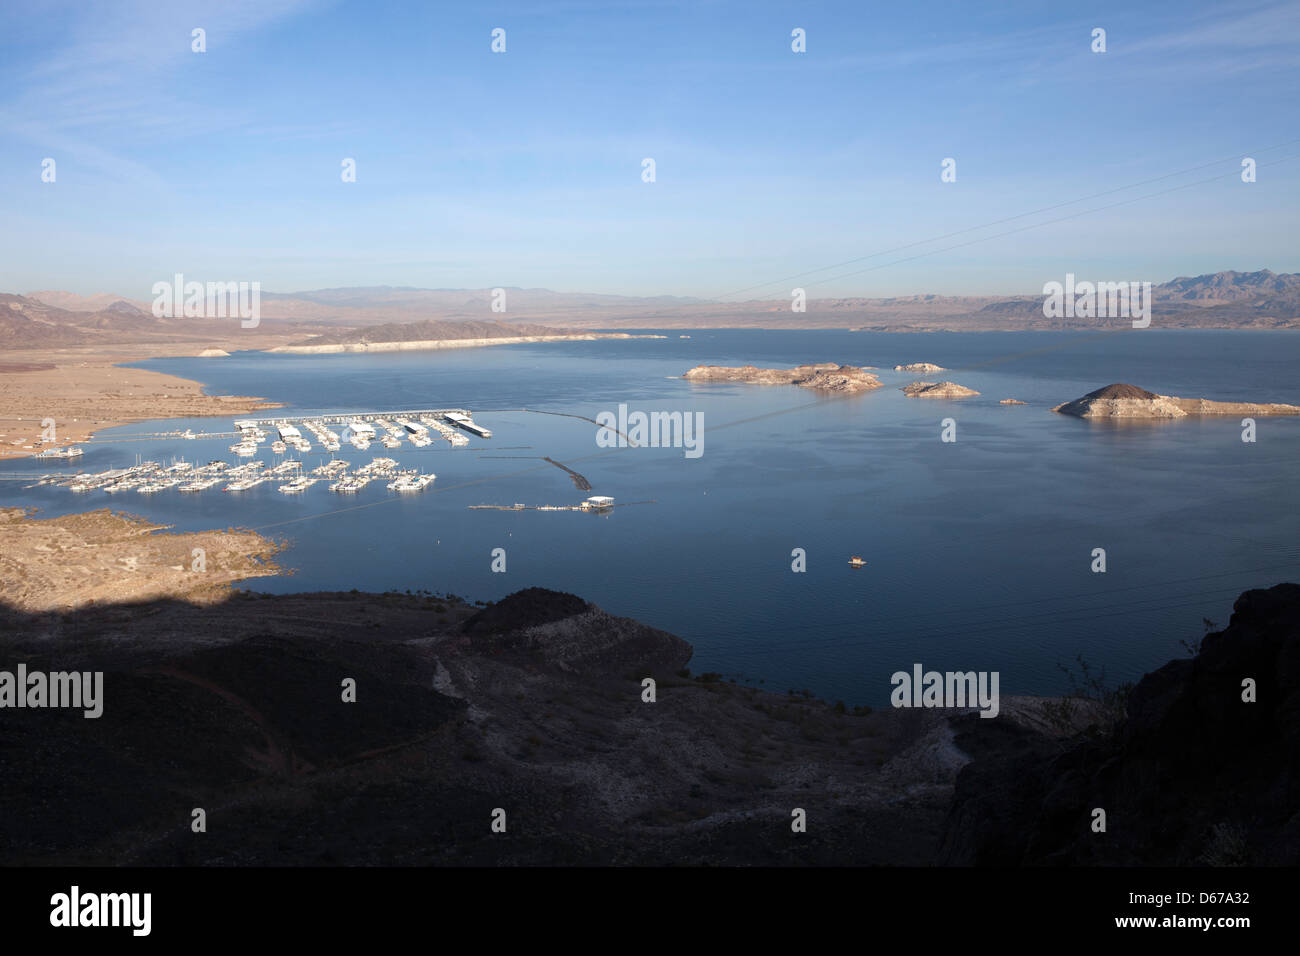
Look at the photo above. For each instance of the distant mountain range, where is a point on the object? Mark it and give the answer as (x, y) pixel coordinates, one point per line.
(31, 322)
(1258, 300)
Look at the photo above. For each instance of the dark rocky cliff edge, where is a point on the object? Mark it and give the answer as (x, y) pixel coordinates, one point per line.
(534, 705)
(1193, 776)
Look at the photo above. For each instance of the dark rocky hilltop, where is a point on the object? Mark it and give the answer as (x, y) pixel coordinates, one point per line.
(535, 705)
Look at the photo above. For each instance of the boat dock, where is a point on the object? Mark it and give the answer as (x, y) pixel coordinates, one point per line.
(347, 418)
(151, 477)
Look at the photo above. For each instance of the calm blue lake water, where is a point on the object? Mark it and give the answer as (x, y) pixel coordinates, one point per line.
(979, 550)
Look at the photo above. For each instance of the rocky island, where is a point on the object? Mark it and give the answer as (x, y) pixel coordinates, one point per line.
(1129, 401)
(826, 376)
(1012, 401)
(937, 390)
(920, 367)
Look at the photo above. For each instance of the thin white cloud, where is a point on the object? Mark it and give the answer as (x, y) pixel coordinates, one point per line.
(107, 81)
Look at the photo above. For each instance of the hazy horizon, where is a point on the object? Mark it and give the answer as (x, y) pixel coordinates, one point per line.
(684, 299)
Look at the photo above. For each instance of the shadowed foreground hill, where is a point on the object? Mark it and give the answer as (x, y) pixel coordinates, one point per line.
(1193, 776)
(534, 705)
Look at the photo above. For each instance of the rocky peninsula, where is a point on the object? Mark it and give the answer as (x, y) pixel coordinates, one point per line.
(1129, 401)
(107, 557)
(826, 376)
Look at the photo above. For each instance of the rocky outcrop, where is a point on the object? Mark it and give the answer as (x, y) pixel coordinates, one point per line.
(214, 353)
(937, 390)
(1129, 401)
(826, 376)
(574, 635)
(1194, 775)
(920, 367)
(1121, 401)
(1202, 406)
(1012, 401)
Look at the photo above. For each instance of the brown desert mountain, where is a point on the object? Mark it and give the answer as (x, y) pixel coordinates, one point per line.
(1229, 299)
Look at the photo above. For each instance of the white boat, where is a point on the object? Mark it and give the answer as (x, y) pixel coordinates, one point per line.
(71, 451)
(411, 483)
(297, 485)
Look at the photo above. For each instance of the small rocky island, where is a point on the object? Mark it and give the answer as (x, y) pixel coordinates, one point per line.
(1129, 401)
(1012, 401)
(826, 376)
(937, 390)
(920, 367)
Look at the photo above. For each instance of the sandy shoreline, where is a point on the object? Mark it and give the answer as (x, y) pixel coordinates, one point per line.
(106, 557)
(85, 390)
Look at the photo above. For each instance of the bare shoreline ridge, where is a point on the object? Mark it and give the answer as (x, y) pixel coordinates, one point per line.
(334, 348)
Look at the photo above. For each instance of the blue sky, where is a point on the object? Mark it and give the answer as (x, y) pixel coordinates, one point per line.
(477, 169)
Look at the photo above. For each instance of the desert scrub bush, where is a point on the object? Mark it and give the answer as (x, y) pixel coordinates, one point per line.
(1193, 648)
(1088, 685)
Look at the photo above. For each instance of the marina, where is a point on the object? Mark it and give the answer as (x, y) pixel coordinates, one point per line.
(269, 452)
(420, 427)
(151, 477)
